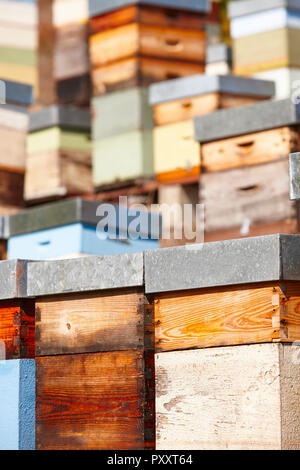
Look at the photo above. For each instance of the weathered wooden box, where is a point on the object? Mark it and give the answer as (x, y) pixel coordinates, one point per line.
(137, 43)
(72, 228)
(18, 41)
(226, 324)
(175, 104)
(58, 153)
(95, 354)
(244, 182)
(63, 52)
(275, 25)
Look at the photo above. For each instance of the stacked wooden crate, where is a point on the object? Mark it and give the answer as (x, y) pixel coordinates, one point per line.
(264, 40)
(132, 44)
(58, 159)
(176, 154)
(17, 365)
(18, 41)
(78, 227)
(63, 52)
(244, 183)
(227, 369)
(94, 354)
(14, 123)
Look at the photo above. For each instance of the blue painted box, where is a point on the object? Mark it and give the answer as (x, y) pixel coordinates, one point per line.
(72, 228)
(17, 404)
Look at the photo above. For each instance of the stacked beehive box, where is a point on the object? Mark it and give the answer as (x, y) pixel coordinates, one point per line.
(18, 41)
(14, 123)
(63, 52)
(17, 365)
(132, 44)
(176, 154)
(58, 159)
(264, 39)
(94, 386)
(244, 184)
(227, 373)
(218, 59)
(77, 227)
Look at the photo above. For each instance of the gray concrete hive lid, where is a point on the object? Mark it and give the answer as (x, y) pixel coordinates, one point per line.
(202, 84)
(249, 7)
(64, 116)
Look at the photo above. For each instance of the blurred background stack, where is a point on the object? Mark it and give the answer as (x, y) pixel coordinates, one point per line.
(127, 98)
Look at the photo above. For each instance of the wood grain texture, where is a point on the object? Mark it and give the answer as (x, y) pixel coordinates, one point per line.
(226, 398)
(135, 39)
(94, 401)
(188, 108)
(235, 315)
(132, 72)
(251, 149)
(175, 148)
(57, 172)
(256, 194)
(81, 323)
(3, 249)
(12, 148)
(11, 188)
(17, 329)
(148, 15)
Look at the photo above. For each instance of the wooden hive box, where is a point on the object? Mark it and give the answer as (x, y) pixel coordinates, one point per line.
(136, 43)
(18, 41)
(218, 59)
(17, 351)
(276, 25)
(58, 153)
(225, 325)
(75, 228)
(14, 124)
(125, 137)
(244, 161)
(175, 104)
(63, 52)
(95, 351)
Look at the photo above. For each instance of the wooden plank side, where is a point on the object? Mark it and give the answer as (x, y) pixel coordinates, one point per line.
(215, 317)
(91, 401)
(11, 188)
(144, 14)
(80, 323)
(219, 399)
(251, 195)
(17, 329)
(12, 148)
(132, 72)
(251, 149)
(154, 41)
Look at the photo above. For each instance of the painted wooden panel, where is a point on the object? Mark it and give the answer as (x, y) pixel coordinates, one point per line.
(249, 195)
(270, 20)
(235, 315)
(102, 321)
(216, 398)
(24, 14)
(111, 116)
(70, 12)
(17, 329)
(218, 68)
(57, 138)
(144, 14)
(251, 149)
(13, 72)
(283, 78)
(56, 173)
(279, 51)
(12, 148)
(130, 40)
(64, 241)
(94, 401)
(14, 36)
(132, 72)
(13, 117)
(20, 56)
(17, 404)
(130, 157)
(188, 108)
(175, 147)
